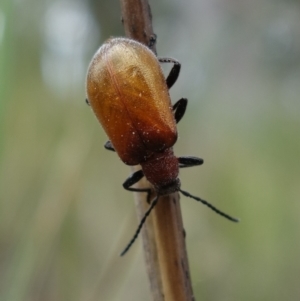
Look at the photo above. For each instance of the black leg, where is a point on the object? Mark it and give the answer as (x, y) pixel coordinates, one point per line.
(109, 146)
(152, 40)
(174, 73)
(179, 109)
(189, 161)
(134, 178)
(87, 102)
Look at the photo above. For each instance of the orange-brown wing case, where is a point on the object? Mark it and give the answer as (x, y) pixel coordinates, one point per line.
(127, 92)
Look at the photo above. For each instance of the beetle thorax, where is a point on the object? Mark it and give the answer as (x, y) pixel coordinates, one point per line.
(162, 170)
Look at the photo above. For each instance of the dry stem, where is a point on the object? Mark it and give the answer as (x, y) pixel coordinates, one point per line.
(163, 234)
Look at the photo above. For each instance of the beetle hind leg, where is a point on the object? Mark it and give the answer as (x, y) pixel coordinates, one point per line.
(152, 40)
(174, 73)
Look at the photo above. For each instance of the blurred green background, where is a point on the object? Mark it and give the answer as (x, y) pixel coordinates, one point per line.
(64, 216)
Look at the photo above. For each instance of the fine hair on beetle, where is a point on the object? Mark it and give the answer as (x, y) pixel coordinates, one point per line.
(129, 95)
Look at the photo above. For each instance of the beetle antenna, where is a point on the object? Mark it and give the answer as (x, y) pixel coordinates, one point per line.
(138, 230)
(233, 219)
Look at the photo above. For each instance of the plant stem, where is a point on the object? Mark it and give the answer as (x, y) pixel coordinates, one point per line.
(163, 234)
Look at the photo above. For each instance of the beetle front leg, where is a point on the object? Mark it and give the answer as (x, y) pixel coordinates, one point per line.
(189, 161)
(174, 73)
(179, 109)
(134, 178)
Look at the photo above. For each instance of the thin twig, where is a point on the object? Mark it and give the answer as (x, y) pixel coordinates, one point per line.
(163, 234)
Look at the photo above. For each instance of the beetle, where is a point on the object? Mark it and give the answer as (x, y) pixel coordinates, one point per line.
(129, 95)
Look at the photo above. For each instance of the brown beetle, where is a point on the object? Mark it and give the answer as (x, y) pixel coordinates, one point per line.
(129, 95)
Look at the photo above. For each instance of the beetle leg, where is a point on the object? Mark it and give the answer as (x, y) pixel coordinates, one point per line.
(134, 178)
(109, 146)
(174, 73)
(87, 102)
(189, 161)
(179, 109)
(152, 40)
